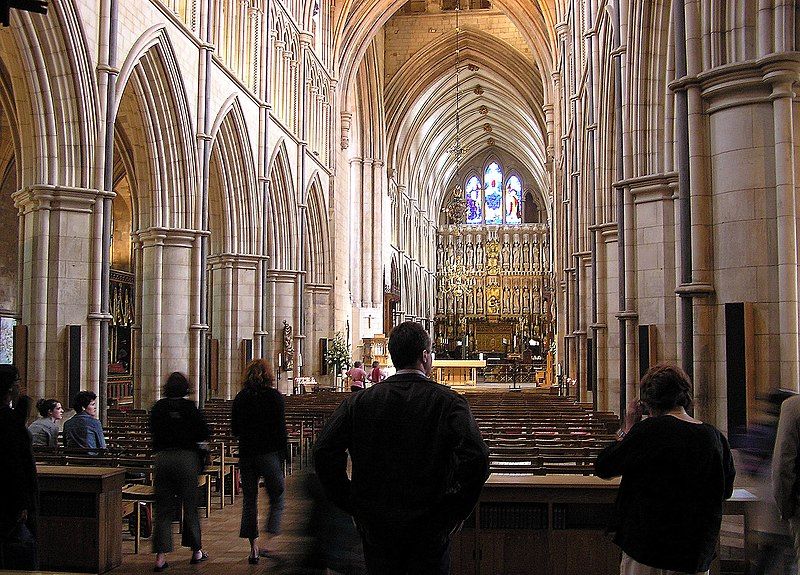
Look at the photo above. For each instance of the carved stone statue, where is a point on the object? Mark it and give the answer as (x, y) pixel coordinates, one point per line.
(505, 256)
(479, 300)
(515, 256)
(479, 255)
(526, 254)
(288, 347)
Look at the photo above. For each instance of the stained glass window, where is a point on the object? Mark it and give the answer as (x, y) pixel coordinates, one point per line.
(513, 200)
(472, 194)
(493, 194)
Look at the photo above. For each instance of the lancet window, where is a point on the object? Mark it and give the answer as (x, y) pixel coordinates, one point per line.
(496, 200)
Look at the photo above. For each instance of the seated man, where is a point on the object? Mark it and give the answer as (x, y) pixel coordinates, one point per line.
(418, 462)
(84, 429)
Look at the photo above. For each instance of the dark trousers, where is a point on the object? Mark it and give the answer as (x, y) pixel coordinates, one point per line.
(175, 483)
(269, 466)
(405, 554)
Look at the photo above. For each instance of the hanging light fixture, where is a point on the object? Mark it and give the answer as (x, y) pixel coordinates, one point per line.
(457, 205)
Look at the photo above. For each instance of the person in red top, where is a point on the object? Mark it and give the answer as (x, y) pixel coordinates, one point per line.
(376, 375)
(357, 376)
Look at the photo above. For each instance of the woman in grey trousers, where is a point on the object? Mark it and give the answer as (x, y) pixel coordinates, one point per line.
(258, 420)
(177, 427)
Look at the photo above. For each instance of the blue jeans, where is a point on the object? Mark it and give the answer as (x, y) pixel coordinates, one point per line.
(269, 466)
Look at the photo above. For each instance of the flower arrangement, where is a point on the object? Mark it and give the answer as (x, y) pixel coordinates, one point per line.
(338, 353)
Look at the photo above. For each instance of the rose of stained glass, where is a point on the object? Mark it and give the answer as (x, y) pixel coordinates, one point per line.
(493, 193)
(513, 200)
(472, 194)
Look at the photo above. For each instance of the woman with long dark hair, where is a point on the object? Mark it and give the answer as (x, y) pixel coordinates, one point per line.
(258, 420)
(177, 427)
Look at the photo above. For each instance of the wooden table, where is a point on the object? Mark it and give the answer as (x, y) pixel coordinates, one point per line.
(80, 518)
(550, 524)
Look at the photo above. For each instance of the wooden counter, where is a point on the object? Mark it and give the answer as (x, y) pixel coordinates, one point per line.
(549, 525)
(80, 518)
(456, 371)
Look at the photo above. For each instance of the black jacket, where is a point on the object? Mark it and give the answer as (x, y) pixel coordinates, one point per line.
(258, 419)
(176, 423)
(418, 459)
(18, 482)
(675, 476)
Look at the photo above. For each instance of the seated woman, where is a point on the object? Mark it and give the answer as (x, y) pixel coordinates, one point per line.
(84, 430)
(676, 472)
(44, 431)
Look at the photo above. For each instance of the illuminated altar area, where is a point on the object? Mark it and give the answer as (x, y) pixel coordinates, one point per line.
(494, 300)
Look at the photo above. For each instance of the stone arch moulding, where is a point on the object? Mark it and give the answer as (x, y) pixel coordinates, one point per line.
(61, 130)
(241, 204)
(284, 254)
(358, 22)
(151, 71)
(317, 267)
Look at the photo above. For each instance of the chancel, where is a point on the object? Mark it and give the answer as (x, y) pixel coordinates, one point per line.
(564, 194)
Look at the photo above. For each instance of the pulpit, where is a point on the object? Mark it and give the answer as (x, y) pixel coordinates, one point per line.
(80, 518)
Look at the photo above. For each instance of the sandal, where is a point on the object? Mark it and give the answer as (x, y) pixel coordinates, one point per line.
(196, 560)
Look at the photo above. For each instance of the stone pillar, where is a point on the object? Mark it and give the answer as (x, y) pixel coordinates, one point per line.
(375, 224)
(56, 225)
(356, 169)
(786, 200)
(166, 314)
(365, 229)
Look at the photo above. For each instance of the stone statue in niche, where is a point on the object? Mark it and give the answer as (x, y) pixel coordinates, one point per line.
(535, 249)
(479, 300)
(440, 252)
(505, 256)
(526, 300)
(479, 255)
(469, 256)
(515, 254)
(517, 303)
(506, 300)
(544, 255)
(470, 300)
(526, 254)
(288, 347)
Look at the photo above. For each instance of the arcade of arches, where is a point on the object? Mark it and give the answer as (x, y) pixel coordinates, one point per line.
(188, 183)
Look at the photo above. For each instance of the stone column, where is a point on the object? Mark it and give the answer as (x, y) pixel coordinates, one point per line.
(166, 314)
(356, 169)
(375, 224)
(365, 229)
(786, 200)
(57, 225)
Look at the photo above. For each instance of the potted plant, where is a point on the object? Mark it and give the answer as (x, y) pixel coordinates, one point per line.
(338, 355)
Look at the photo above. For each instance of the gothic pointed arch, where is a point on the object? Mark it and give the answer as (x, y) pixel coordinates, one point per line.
(234, 206)
(55, 91)
(316, 259)
(151, 105)
(282, 221)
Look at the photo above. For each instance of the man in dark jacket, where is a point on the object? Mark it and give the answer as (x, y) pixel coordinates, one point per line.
(18, 483)
(418, 462)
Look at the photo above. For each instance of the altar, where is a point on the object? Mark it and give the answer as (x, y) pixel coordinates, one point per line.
(457, 371)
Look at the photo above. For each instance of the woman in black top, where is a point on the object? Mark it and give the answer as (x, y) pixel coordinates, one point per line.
(676, 472)
(258, 420)
(177, 426)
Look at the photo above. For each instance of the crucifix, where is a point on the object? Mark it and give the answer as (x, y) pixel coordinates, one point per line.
(369, 320)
